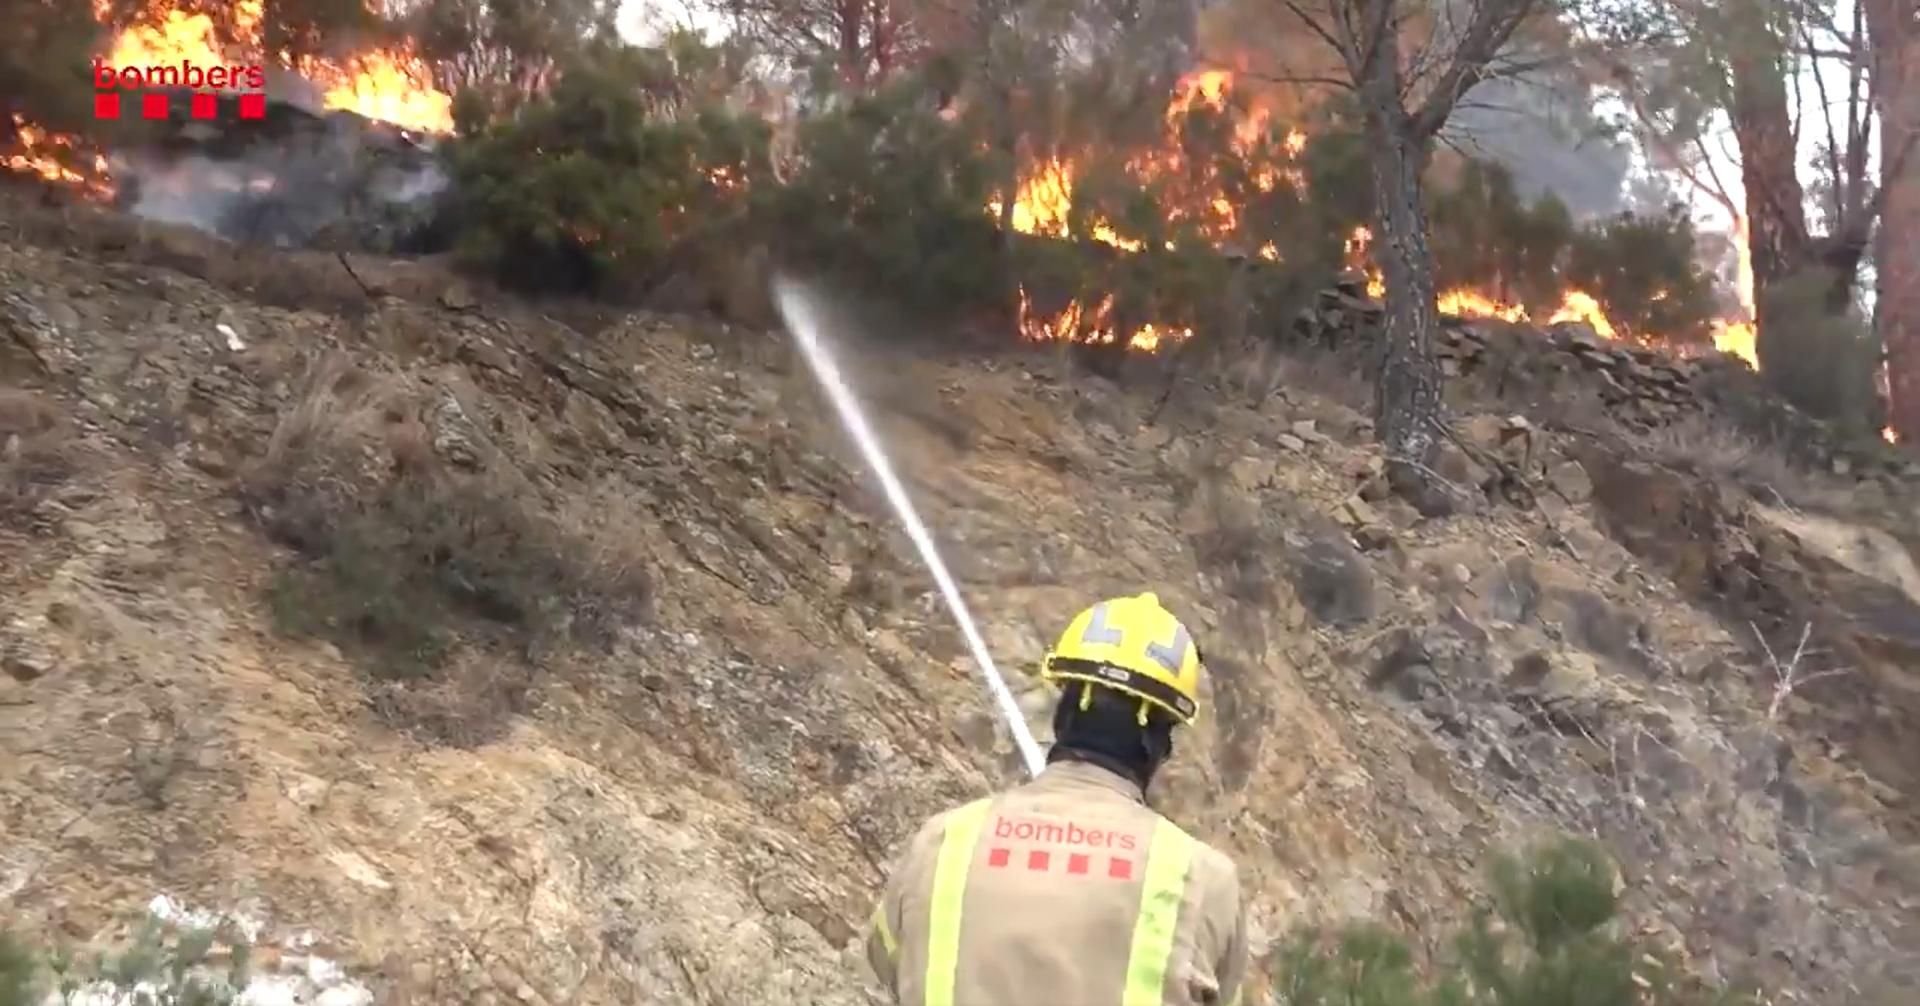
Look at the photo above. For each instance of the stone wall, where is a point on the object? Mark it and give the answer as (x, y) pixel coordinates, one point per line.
(1567, 374)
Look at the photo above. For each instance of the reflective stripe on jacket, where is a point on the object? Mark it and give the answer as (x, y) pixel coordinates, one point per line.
(1067, 890)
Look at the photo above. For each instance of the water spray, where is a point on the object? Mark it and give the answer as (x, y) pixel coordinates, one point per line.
(802, 316)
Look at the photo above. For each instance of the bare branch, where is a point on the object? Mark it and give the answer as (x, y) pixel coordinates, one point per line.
(1789, 675)
(1664, 150)
(1303, 80)
(1318, 29)
(1833, 140)
(1493, 25)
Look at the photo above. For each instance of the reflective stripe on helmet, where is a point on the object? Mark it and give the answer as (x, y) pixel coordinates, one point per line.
(1098, 632)
(949, 895)
(1169, 856)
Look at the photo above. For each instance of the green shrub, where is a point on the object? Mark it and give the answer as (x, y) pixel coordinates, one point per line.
(893, 197)
(401, 556)
(1821, 360)
(164, 965)
(1548, 938)
(596, 186)
(395, 574)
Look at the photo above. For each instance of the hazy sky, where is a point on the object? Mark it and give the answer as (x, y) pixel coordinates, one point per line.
(640, 19)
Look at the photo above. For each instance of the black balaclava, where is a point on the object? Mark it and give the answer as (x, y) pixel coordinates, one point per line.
(1108, 733)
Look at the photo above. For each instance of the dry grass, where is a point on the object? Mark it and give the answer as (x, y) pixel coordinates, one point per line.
(445, 585)
(36, 454)
(1327, 374)
(1722, 452)
(295, 280)
(1233, 546)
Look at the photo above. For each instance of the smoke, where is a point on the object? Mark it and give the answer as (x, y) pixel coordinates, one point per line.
(293, 179)
(1544, 132)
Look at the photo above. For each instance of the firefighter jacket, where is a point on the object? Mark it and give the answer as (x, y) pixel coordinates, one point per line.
(1065, 891)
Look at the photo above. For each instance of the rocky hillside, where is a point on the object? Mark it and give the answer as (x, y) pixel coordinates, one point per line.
(500, 658)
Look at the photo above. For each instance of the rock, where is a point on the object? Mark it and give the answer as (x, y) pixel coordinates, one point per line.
(30, 330)
(1356, 513)
(1453, 464)
(1571, 481)
(1510, 592)
(1250, 473)
(1599, 626)
(25, 664)
(1396, 654)
(63, 316)
(457, 296)
(892, 652)
(1305, 429)
(1484, 432)
(1556, 677)
(1331, 577)
(1152, 438)
(1291, 442)
(210, 461)
(455, 436)
(1373, 537)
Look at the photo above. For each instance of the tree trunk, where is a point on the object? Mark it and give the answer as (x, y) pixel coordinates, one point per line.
(850, 24)
(1407, 405)
(1896, 60)
(1778, 240)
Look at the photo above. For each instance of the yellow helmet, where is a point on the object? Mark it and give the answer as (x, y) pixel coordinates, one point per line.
(1132, 645)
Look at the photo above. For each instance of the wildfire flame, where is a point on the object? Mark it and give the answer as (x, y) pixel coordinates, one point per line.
(1464, 302)
(391, 85)
(1737, 336)
(1043, 204)
(40, 153)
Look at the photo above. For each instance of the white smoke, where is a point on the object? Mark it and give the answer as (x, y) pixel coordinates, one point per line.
(292, 179)
(1544, 132)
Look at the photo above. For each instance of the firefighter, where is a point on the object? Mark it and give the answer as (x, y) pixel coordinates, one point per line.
(1068, 890)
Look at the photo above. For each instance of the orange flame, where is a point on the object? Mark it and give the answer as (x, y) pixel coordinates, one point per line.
(1198, 195)
(48, 154)
(391, 85)
(1091, 326)
(386, 85)
(1736, 336)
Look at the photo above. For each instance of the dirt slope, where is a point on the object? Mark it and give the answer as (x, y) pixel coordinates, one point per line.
(694, 801)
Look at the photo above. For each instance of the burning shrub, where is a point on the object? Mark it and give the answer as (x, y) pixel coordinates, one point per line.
(890, 193)
(44, 87)
(1643, 270)
(588, 189)
(1485, 237)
